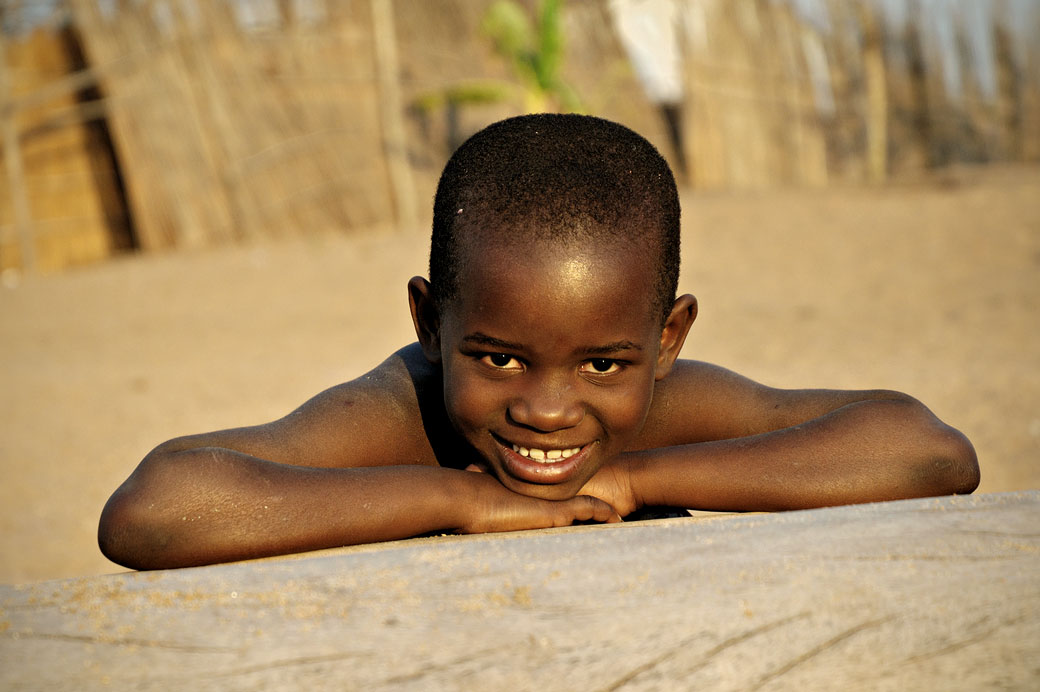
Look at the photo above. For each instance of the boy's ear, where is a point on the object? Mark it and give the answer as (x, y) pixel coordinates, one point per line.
(673, 336)
(425, 317)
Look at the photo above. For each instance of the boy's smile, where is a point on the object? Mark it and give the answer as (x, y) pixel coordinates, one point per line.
(549, 358)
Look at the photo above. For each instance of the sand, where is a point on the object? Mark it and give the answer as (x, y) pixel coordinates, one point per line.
(928, 287)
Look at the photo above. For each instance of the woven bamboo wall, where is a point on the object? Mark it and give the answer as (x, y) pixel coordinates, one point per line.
(227, 131)
(243, 119)
(230, 131)
(750, 112)
(68, 177)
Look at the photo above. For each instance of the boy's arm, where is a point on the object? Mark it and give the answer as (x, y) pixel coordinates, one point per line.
(350, 466)
(753, 448)
(211, 504)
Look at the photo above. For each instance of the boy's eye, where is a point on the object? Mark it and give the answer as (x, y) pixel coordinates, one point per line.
(501, 361)
(601, 366)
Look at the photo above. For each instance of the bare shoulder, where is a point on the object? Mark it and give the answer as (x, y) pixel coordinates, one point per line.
(373, 420)
(699, 402)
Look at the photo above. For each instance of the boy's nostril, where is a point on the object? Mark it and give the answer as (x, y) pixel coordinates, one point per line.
(547, 414)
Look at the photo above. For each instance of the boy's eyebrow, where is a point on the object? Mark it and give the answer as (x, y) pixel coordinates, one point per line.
(494, 342)
(484, 340)
(614, 347)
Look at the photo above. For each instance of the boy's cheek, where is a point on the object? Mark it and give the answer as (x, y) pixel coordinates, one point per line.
(467, 405)
(626, 413)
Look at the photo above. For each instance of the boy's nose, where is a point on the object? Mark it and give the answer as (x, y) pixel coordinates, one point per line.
(547, 410)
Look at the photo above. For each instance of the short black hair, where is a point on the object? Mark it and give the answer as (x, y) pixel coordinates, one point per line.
(555, 178)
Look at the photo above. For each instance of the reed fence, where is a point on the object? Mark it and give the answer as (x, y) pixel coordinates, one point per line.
(159, 124)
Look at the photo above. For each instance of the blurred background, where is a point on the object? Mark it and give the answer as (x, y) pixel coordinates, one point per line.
(152, 124)
(209, 208)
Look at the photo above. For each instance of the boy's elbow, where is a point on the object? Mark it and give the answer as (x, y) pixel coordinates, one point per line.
(121, 532)
(967, 476)
(130, 530)
(953, 466)
(115, 531)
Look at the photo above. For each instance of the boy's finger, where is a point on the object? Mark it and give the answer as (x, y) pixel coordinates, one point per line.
(598, 510)
(475, 468)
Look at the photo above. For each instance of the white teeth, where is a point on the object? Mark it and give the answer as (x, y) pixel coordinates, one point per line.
(546, 456)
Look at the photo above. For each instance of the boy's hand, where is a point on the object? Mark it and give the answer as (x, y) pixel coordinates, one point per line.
(613, 484)
(496, 508)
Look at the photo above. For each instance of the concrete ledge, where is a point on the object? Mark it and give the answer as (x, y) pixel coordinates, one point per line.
(937, 594)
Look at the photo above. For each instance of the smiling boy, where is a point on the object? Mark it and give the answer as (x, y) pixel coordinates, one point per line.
(545, 388)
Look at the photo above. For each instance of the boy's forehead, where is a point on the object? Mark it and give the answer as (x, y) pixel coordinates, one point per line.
(557, 271)
(580, 256)
(570, 301)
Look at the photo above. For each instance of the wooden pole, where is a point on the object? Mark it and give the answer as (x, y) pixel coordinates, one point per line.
(13, 166)
(392, 115)
(877, 98)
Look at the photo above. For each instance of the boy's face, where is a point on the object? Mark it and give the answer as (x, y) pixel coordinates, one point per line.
(549, 357)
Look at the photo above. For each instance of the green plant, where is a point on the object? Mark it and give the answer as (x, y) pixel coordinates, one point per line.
(534, 51)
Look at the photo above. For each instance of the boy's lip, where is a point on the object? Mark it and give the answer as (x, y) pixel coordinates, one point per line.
(542, 472)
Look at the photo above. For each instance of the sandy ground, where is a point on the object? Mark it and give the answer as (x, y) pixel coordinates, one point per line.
(930, 288)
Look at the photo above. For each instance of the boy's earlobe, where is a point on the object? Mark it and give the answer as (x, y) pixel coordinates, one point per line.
(425, 317)
(673, 336)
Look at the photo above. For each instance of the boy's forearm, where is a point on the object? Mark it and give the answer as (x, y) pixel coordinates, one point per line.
(211, 505)
(863, 452)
